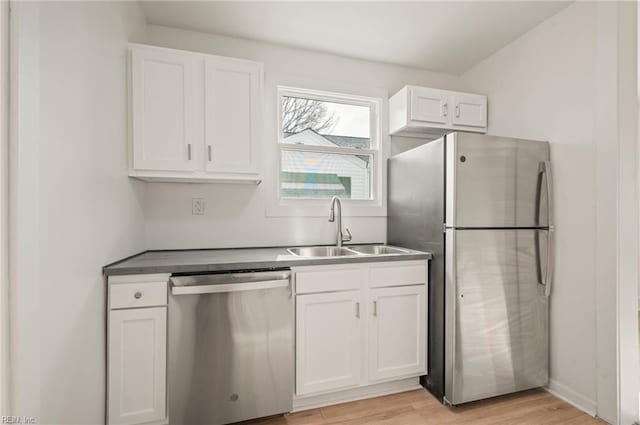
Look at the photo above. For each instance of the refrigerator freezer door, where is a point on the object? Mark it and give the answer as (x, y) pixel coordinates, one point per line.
(497, 313)
(496, 182)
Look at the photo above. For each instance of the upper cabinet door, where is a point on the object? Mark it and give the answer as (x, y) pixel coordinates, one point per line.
(166, 90)
(429, 105)
(469, 110)
(232, 115)
(397, 332)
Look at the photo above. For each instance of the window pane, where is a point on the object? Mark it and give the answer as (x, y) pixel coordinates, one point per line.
(319, 123)
(313, 175)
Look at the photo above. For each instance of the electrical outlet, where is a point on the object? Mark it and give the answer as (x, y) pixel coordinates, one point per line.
(197, 206)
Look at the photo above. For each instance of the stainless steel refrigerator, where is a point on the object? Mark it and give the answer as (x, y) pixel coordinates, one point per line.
(482, 205)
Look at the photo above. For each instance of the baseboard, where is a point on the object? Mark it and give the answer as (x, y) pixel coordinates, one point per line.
(572, 397)
(353, 394)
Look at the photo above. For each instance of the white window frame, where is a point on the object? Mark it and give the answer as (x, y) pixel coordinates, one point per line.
(372, 98)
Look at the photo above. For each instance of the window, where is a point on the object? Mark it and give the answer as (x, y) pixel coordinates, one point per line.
(328, 145)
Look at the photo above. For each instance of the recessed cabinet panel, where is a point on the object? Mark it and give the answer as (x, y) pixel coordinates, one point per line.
(232, 115)
(164, 98)
(328, 341)
(137, 365)
(429, 105)
(397, 332)
(469, 110)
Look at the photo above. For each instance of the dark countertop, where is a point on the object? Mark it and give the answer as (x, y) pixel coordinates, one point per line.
(213, 260)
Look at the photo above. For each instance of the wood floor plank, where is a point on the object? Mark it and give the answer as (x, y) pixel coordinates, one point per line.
(418, 407)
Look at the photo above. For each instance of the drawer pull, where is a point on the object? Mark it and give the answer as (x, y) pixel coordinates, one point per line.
(137, 295)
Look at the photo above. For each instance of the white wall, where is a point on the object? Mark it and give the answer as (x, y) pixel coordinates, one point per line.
(73, 207)
(543, 86)
(235, 215)
(4, 205)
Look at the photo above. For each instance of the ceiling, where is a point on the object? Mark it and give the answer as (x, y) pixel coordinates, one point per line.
(441, 36)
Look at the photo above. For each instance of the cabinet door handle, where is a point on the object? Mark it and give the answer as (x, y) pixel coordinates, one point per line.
(458, 111)
(445, 110)
(137, 295)
(189, 151)
(209, 152)
(358, 310)
(375, 308)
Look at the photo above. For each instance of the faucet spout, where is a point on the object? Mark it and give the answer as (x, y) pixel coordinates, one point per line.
(332, 217)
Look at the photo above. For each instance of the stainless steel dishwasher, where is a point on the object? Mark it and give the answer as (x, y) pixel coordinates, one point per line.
(230, 347)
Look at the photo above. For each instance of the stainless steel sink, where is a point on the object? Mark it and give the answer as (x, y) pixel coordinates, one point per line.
(321, 251)
(378, 249)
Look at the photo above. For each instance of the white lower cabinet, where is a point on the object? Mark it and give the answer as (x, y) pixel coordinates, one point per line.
(397, 329)
(137, 365)
(328, 347)
(137, 350)
(347, 337)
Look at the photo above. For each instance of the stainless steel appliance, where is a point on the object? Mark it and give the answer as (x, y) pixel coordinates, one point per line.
(230, 347)
(482, 205)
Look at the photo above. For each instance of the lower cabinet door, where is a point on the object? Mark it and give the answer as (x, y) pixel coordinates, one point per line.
(137, 361)
(397, 332)
(328, 341)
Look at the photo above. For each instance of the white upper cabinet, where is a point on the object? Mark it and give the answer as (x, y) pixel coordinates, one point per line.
(469, 110)
(429, 105)
(232, 115)
(429, 113)
(195, 117)
(165, 93)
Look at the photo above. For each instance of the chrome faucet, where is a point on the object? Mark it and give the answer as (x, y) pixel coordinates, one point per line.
(332, 217)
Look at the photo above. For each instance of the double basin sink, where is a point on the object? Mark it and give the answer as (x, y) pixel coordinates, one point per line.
(334, 251)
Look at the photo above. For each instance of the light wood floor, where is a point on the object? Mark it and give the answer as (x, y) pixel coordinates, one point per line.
(420, 408)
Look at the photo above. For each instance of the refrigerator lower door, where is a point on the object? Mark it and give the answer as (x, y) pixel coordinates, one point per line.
(497, 313)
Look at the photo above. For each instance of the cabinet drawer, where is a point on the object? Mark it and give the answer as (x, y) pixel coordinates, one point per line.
(128, 295)
(328, 280)
(412, 274)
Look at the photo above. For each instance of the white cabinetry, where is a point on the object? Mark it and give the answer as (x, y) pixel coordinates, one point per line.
(194, 117)
(137, 350)
(165, 92)
(429, 105)
(232, 120)
(359, 325)
(328, 346)
(397, 331)
(425, 112)
(469, 111)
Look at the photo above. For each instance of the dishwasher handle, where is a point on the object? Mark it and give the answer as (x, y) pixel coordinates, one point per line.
(229, 287)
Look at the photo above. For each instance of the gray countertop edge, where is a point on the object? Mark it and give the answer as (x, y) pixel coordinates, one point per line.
(114, 270)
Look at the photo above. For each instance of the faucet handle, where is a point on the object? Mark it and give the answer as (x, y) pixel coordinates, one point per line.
(348, 237)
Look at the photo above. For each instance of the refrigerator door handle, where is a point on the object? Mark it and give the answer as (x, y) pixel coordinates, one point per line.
(549, 180)
(548, 278)
(544, 170)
